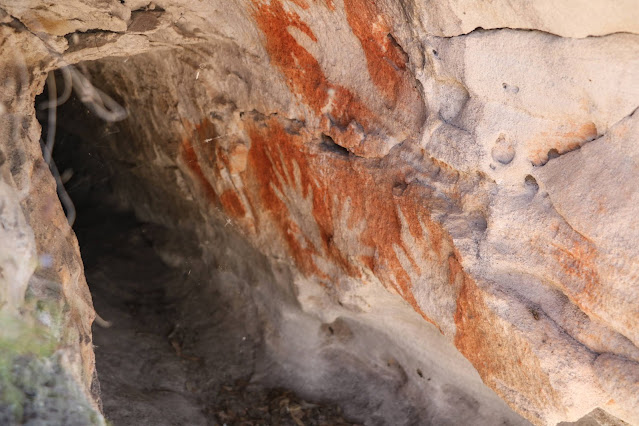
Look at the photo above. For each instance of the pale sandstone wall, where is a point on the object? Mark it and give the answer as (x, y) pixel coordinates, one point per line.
(406, 167)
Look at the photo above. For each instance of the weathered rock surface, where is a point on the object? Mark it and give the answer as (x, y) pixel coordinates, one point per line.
(416, 174)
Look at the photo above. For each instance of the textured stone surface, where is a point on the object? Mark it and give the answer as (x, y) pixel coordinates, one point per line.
(572, 18)
(414, 179)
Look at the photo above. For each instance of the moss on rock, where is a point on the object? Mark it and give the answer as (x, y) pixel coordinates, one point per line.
(35, 388)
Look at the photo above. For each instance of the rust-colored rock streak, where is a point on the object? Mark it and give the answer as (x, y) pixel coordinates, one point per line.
(345, 116)
(190, 159)
(503, 358)
(561, 141)
(386, 60)
(194, 145)
(303, 73)
(576, 261)
(280, 169)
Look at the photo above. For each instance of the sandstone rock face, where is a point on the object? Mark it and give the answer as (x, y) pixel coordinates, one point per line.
(417, 174)
(571, 18)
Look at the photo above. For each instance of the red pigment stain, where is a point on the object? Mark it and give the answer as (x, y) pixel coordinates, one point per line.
(578, 262)
(501, 356)
(190, 159)
(305, 77)
(275, 152)
(272, 154)
(386, 61)
(562, 142)
(300, 3)
(202, 138)
(582, 283)
(303, 72)
(200, 149)
(232, 204)
(575, 266)
(329, 3)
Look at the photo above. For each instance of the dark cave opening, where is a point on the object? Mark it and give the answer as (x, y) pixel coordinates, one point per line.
(172, 346)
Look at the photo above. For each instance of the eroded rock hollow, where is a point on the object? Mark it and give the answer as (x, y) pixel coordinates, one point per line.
(393, 211)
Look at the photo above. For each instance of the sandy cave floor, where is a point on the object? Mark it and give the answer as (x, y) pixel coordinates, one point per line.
(148, 364)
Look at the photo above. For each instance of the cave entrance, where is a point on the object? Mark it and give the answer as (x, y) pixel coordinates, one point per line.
(171, 348)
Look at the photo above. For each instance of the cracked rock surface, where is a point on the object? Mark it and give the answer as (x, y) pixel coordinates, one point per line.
(431, 206)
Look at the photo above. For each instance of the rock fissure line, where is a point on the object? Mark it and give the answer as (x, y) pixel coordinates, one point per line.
(481, 30)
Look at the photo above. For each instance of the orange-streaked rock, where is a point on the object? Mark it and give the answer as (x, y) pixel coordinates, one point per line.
(503, 357)
(189, 157)
(346, 115)
(386, 60)
(560, 142)
(284, 173)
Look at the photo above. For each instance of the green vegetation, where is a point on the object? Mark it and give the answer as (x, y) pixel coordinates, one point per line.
(19, 338)
(33, 382)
